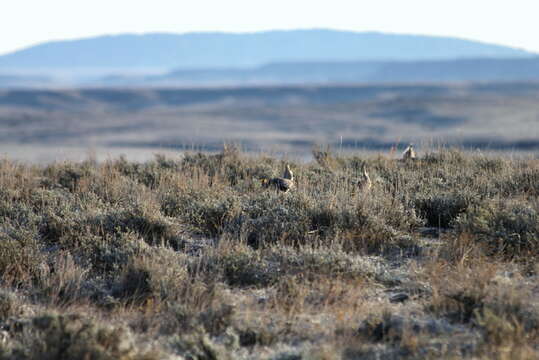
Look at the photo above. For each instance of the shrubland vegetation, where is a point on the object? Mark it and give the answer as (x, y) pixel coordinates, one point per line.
(191, 257)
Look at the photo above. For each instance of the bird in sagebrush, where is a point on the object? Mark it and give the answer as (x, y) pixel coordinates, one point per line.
(365, 182)
(284, 183)
(288, 174)
(359, 184)
(409, 153)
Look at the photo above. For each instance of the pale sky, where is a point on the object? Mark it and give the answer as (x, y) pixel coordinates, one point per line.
(506, 22)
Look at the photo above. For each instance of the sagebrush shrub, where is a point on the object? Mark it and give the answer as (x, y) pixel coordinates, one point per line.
(509, 228)
(441, 209)
(73, 337)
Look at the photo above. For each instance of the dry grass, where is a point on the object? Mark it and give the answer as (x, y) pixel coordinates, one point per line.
(193, 257)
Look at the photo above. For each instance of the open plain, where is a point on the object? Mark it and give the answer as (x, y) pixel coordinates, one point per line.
(45, 125)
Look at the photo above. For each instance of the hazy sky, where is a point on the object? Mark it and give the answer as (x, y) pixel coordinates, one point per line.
(508, 22)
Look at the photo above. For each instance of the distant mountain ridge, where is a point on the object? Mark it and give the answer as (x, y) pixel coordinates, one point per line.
(463, 70)
(271, 57)
(218, 50)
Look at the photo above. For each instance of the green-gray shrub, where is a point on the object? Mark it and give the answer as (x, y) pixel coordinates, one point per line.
(510, 228)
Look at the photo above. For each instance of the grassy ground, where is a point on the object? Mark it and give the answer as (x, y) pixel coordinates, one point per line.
(192, 258)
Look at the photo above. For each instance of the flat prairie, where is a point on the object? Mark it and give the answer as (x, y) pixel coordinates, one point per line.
(44, 125)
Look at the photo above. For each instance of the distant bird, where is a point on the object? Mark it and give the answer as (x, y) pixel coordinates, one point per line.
(409, 153)
(284, 183)
(288, 174)
(364, 184)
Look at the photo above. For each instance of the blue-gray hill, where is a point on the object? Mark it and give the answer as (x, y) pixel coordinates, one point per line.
(218, 50)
